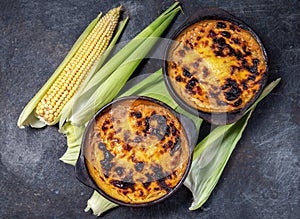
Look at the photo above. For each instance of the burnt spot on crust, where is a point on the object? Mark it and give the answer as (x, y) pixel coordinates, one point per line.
(223, 49)
(126, 136)
(196, 65)
(163, 185)
(212, 33)
(177, 145)
(149, 180)
(120, 171)
(178, 78)
(221, 41)
(221, 25)
(174, 65)
(236, 41)
(127, 147)
(106, 166)
(221, 103)
(181, 53)
(138, 139)
(122, 184)
(233, 69)
(139, 166)
(108, 156)
(167, 131)
(191, 84)
(205, 71)
(251, 78)
(226, 34)
(137, 114)
(157, 172)
(186, 73)
(102, 146)
(253, 69)
(139, 123)
(238, 102)
(104, 128)
(245, 84)
(158, 126)
(106, 163)
(173, 129)
(232, 90)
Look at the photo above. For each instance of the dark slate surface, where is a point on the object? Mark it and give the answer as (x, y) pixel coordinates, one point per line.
(261, 179)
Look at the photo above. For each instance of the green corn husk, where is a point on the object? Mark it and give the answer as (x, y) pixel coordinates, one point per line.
(98, 204)
(27, 117)
(213, 152)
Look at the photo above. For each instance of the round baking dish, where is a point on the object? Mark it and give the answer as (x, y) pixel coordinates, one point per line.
(215, 66)
(136, 151)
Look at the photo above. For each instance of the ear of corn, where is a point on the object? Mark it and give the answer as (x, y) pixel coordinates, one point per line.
(68, 107)
(46, 106)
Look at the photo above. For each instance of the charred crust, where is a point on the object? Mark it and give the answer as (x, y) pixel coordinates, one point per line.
(163, 185)
(108, 156)
(195, 65)
(233, 90)
(251, 78)
(238, 102)
(212, 33)
(122, 184)
(137, 114)
(157, 171)
(177, 145)
(205, 71)
(106, 166)
(236, 41)
(139, 166)
(139, 123)
(127, 147)
(226, 34)
(181, 53)
(120, 171)
(138, 139)
(126, 136)
(101, 146)
(221, 25)
(245, 84)
(104, 128)
(221, 103)
(191, 84)
(186, 73)
(178, 78)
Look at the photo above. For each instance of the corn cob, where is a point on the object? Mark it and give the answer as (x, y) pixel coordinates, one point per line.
(76, 70)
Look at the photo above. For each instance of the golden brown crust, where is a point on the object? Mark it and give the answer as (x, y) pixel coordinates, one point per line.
(138, 151)
(216, 66)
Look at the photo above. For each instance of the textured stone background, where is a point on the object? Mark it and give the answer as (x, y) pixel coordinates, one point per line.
(261, 179)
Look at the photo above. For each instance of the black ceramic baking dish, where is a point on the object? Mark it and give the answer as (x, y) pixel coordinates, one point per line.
(232, 87)
(81, 168)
